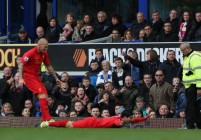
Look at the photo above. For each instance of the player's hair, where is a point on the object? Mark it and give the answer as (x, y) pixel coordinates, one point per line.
(126, 113)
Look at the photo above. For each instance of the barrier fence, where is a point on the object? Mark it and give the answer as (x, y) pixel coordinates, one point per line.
(150, 123)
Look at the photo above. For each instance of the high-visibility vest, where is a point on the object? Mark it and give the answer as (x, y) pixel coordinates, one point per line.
(192, 70)
(43, 67)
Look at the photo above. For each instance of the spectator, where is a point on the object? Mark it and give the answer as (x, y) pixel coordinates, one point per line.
(52, 104)
(15, 95)
(185, 26)
(80, 96)
(72, 113)
(149, 66)
(161, 93)
(71, 81)
(173, 19)
(101, 24)
(138, 24)
(128, 93)
(26, 112)
(149, 35)
(7, 110)
(116, 24)
(109, 87)
(78, 31)
(87, 19)
(23, 37)
(105, 113)
(94, 69)
(171, 67)
(40, 34)
(128, 36)
(62, 113)
(68, 28)
(16, 69)
(134, 71)
(60, 105)
(164, 111)
(156, 22)
(63, 94)
(89, 34)
(67, 33)
(80, 109)
(179, 95)
(99, 57)
(195, 31)
(167, 34)
(145, 87)
(142, 34)
(89, 89)
(32, 109)
(106, 74)
(119, 74)
(182, 113)
(115, 38)
(140, 104)
(137, 113)
(106, 102)
(53, 31)
(95, 112)
(152, 114)
(100, 88)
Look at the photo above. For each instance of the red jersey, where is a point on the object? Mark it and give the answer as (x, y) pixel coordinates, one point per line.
(92, 122)
(32, 61)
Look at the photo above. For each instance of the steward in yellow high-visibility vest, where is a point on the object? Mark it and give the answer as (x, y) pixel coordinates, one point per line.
(192, 81)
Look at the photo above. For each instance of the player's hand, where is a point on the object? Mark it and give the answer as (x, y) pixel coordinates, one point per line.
(21, 83)
(11, 80)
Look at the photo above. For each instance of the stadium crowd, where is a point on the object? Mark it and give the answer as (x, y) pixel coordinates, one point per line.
(145, 87)
(177, 27)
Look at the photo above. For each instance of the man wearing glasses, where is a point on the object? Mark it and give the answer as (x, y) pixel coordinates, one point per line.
(161, 93)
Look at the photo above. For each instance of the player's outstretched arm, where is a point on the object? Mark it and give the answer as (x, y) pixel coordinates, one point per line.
(136, 120)
(21, 79)
(51, 70)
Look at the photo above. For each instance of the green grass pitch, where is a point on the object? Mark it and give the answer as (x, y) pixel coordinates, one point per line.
(9, 133)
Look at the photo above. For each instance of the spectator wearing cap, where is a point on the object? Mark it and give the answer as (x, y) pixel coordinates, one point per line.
(100, 88)
(23, 37)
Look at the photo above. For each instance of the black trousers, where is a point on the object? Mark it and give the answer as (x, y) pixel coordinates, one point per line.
(193, 116)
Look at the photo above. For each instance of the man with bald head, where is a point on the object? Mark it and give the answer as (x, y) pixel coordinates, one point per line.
(29, 69)
(39, 33)
(192, 82)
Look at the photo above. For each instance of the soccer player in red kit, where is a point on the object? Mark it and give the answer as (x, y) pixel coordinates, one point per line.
(92, 122)
(29, 69)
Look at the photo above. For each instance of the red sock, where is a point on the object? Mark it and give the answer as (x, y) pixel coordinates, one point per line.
(44, 109)
(136, 120)
(60, 123)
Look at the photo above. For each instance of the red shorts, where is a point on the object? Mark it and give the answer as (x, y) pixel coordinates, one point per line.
(34, 84)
